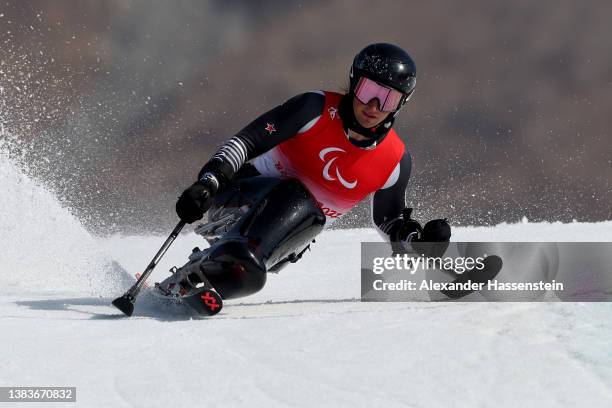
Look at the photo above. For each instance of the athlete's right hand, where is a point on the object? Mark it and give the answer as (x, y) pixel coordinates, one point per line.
(196, 200)
(409, 229)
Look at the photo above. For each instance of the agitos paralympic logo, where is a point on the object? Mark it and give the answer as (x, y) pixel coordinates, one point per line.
(328, 164)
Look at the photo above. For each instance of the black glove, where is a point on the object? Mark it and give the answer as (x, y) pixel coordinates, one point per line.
(410, 235)
(196, 200)
(409, 229)
(434, 239)
(437, 230)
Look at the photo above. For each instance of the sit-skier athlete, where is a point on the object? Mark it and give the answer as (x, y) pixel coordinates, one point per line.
(304, 164)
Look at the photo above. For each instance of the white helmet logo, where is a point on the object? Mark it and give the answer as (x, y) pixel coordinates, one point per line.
(326, 175)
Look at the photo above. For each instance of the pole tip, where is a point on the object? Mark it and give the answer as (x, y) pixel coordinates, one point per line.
(125, 304)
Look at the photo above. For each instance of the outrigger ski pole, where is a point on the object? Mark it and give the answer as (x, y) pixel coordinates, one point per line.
(125, 303)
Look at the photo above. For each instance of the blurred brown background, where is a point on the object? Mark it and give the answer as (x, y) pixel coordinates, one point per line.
(117, 104)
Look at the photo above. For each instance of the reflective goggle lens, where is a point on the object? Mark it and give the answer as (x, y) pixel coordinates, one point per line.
(389, 99)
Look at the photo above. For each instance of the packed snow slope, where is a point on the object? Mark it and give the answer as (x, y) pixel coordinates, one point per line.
(304, 340)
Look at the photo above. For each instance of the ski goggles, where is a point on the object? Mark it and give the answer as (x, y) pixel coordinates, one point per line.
(389, 99)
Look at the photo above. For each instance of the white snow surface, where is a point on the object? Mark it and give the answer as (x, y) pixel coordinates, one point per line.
(304, 340)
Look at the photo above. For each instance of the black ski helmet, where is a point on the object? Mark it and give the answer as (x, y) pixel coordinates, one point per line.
(386, 64)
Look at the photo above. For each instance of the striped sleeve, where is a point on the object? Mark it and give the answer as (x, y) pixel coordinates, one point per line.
(267, 131)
